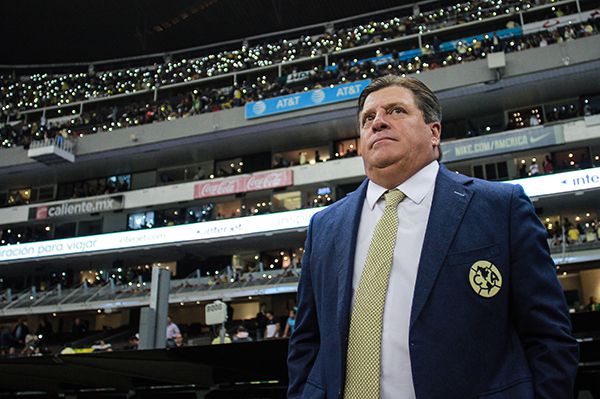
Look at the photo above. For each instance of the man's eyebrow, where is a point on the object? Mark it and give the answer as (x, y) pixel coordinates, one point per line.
(386, 106)
(395, 104)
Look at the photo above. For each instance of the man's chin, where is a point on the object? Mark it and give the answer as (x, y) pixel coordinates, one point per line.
(383, 162)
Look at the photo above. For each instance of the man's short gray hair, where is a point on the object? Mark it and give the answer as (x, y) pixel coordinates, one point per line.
(425, 99)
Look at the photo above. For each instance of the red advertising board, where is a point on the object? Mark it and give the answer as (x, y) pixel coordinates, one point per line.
(242, 184)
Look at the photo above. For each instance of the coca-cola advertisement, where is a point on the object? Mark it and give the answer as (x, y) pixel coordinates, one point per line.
(218, 188)
(267, 180)
(253, 182)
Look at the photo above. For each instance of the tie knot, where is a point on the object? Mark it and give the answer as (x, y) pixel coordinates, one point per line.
(393, 197)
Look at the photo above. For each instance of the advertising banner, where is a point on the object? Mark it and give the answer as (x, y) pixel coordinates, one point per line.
(243, 184)
(502, 34)
(559, 183)
(298, 77)
(557, 22)
(159, 236)
(550, 184)
(500, 143)
(74, 208)
(306, 99)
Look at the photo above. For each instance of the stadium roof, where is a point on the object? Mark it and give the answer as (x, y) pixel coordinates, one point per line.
(42, 32)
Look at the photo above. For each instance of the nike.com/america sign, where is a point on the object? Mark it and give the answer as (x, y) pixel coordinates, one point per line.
(500, 143)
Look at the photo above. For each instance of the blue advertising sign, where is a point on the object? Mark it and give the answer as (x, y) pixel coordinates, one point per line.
(306, 99)
(502, 34)
(387, 58)
(382, 59)
(409, 54)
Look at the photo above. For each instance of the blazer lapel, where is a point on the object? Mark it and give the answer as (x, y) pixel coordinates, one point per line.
(347, 220)
(450, 200)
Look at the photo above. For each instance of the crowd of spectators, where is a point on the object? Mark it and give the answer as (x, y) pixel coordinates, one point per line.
(572, 233)
(40, 90)
(19, 341)
(197, 101)
(23, 341)
(550, 165)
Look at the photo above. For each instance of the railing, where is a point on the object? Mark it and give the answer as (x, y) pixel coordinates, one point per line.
(111, 292)
(65, 144)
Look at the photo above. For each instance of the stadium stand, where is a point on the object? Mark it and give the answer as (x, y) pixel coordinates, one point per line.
(23, 94)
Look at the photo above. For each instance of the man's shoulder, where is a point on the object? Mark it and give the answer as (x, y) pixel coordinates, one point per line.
(493, 186)
(479, 186)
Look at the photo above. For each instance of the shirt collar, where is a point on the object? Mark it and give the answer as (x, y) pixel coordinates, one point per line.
(415, 187)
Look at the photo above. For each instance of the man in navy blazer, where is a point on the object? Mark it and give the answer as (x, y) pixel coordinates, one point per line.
(484, 315)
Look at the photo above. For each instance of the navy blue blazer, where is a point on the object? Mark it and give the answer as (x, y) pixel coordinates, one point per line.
(514, 345)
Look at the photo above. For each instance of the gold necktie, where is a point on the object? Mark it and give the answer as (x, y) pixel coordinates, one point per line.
(363, 364)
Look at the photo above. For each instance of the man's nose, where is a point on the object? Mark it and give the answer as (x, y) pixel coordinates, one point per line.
(379, 122)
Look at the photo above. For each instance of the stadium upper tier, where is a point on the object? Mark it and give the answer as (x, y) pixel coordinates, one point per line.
(40, 90)
(191, 100)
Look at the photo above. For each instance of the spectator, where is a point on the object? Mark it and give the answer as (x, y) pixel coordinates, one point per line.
(548, 165)
(20, 332)
(199, 175)
(172, 332)
(241, 335)
(593, 305)
(290, 323)
(178, 341)
(302, 158)
(534, 169)
(45, 329)
(272, 329)
(523, 170)
(585, 161)
(133, 343)
(217, 340)
(101, 346)
(533, 120)
(261, 321)
(573, 235)
(6, 338)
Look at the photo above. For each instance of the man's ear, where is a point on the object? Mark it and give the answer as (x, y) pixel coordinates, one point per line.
(436, 133)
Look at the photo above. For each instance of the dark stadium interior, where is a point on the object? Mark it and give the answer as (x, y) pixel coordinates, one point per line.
(70, 31)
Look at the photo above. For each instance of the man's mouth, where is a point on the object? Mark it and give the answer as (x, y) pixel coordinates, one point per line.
(381, 140)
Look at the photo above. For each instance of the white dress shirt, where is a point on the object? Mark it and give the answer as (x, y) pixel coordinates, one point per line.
(413, 214)
(172, 330)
